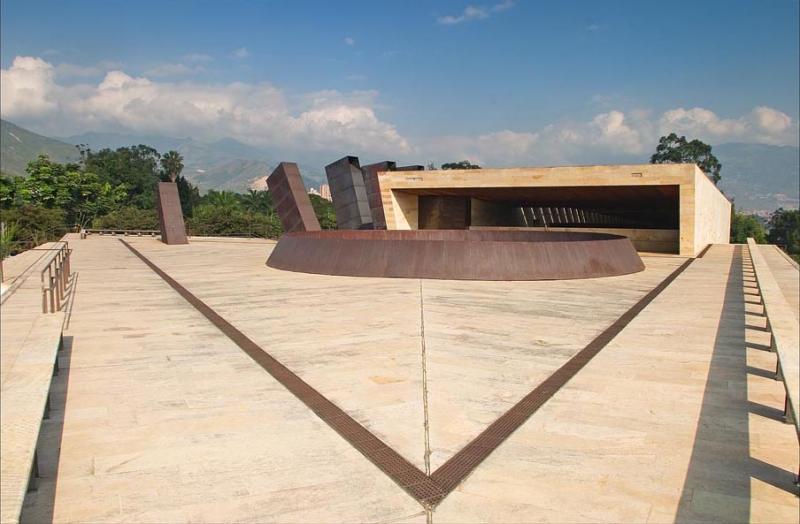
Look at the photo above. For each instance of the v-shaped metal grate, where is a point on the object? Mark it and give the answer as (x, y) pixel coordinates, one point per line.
(428, 490)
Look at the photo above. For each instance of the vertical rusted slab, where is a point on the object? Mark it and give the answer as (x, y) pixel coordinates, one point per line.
(170, 216)
(374, 191)
(349, 194)
(291, 199)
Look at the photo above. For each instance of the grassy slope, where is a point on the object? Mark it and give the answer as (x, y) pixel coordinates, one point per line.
(19, 146)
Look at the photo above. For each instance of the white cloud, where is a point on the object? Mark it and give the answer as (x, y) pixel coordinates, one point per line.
(241, 53)
(612, 136)
(472, 12)
(259, 114)
(770, 120)
(330, 121)
(28, 87)
(349, 40)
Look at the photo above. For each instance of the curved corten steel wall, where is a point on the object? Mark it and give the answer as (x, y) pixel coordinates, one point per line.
(457, 254)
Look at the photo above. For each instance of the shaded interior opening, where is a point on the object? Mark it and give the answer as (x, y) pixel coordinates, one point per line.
(648, 215)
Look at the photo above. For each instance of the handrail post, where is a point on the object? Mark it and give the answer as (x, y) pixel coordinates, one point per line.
(44, 293)
(50, 289)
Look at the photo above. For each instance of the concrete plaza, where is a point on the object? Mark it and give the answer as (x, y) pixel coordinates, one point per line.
(158, 416)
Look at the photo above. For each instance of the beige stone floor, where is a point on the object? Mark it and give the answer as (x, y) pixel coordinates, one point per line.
(161, 418)
(676, 420)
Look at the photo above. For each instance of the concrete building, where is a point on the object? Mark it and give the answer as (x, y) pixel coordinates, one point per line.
(325, 192)
(668, 208)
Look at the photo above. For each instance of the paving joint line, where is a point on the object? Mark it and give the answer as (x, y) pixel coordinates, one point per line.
(428, 490)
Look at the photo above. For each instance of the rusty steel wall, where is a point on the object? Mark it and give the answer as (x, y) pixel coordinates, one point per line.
(457, 254)
(291, 199)
(170, 216)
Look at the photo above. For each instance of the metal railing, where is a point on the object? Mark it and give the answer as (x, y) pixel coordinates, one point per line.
(55, 279)
(123, 232)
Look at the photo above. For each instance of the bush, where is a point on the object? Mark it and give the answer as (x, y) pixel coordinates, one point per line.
(128, 218)
(744, 226)
(35, 225)
(212, 220)
(324, 211)
(784, 230)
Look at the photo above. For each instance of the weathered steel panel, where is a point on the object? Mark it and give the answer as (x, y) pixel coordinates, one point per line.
(170, 216)
(291, 199)
(457, 254)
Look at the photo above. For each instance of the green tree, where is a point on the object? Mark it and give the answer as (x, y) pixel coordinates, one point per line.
(8, 234)
(80, 194)
(326, 215)
(257, 201)
(11, 191)
(137, 167)
(213, 220)
(35, 224)
(189, 195)
(784, 230)
(172, 165)
(128, 218)
(464, 164)
(744, 226)
(222, 199)
(673, 149)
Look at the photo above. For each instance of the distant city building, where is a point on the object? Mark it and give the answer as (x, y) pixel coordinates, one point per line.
(312, 191)
(325, 191)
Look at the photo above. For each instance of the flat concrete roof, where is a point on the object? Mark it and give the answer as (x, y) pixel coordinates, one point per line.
(160, 416)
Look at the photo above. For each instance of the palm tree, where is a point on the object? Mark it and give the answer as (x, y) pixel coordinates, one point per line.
(225, 199)
(256, 201)
(172, 165)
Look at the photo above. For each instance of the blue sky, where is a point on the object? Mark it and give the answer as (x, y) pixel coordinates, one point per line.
(500, 81)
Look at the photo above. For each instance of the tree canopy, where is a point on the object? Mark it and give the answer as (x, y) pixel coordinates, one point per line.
(673, 149)
(464, 164)
(784, 230)
(115, 189)
(744, 226)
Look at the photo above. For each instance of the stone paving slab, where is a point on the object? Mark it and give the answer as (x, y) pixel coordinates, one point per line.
(488, 343)
(164, 419)
(675, 421)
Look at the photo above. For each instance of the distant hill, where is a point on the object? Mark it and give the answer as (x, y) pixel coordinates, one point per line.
(226, 164)
(19, 146)
(760, 177)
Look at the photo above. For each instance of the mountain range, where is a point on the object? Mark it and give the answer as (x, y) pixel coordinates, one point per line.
(759, 177)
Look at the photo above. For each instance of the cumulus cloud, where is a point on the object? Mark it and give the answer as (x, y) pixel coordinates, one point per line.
(259, 114)
(614, 136)
(28, 87)
(241, 53)
(262, 114)
(472, 12)
(349, 40)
